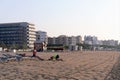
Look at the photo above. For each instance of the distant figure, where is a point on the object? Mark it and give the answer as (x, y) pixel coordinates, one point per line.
(55, 57)
(34, 53)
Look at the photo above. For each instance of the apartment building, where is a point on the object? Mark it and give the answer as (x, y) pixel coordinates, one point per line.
(62, 39)
(51, 40)
(72, 40)
(91, 40)
(21, 33)
(41, 40)
(79, 40)
(41, 36)
(110, 42)
(65, 40)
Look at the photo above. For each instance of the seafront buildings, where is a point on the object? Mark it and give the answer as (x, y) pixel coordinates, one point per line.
(79, 39)
(65, 40)
(51, 40)
(41, 41)
(93, 40)
(41, 36)
(21, 34)
(110, 42)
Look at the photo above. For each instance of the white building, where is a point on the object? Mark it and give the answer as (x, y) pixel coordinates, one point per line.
(41, 41)
(110, 42)
(41, 37)
(79, 40)
(72, 40)
(91, 40)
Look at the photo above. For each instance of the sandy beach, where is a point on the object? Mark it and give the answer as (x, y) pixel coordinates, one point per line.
(85, 65)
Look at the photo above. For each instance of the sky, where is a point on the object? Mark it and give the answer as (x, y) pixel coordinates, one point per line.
(99, 18)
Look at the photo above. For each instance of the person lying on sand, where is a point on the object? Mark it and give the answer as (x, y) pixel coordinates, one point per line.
(34, 55)
(55, 57)
(23, 55)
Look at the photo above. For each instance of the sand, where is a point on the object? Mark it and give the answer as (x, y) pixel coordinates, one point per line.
(77, 65)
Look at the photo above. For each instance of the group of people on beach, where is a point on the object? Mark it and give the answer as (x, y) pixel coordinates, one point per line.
(54, 57)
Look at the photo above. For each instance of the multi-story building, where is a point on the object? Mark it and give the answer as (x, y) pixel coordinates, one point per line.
(94, 40)
(41, 36)
(41, 40)
(21, 33)
(88, 40)
(72, 40)
(51, 40)
(65, 40)
(91, 40)
(110, 42)
(62, 39)
(79, 40)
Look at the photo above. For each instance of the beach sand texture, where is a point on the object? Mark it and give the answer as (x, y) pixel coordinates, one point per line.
(77, 65)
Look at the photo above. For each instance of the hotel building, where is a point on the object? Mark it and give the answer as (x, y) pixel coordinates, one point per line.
(21, 33)
(41, 41)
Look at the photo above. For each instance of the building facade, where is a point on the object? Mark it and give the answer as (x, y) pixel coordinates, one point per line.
(65, 40)
(41, 41)
(62, 39)
(79, 40)
(21, 33)
(52, 40)
(110, 42)
(41, 36)
(91, 40)
(72, 40)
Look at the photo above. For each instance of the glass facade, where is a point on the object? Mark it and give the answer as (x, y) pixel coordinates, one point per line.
(17, 33)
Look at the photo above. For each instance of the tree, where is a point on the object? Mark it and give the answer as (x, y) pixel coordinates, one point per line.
(66, 47)
(85, 46)
(24, 46)
(13, 46)
(3, 45)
